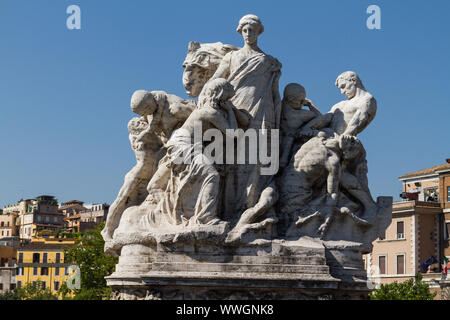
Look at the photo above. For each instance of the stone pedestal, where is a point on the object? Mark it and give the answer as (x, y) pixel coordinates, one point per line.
(260, 270)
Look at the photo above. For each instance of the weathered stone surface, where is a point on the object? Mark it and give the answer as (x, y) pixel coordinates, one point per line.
(187, 227)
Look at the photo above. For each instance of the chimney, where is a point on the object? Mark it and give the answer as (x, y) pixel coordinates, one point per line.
(448, 160)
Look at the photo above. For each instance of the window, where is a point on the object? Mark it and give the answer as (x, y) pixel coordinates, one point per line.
(2, 224)
(21, 257)
(400, 230)
(39, 218)
(66, 271)
(44, 257)
(401, 264)
(58, 257)
(44, 285)
(382, 264)
(34, 284)
(44, 271)
(448, 194)
(56, 285)
(36, 257)
(20, 271)
(55, 219)
(19, 284)
(57, 271)
(47, 219)
(35, 271)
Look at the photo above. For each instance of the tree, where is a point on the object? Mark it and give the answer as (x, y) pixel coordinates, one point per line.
(94, 265)
(32, 291)
(413, 289)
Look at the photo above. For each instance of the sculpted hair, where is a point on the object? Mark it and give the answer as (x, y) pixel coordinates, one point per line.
(143, 101)
(214, 91)
(250, 19)
(350, 76)
(294, 89)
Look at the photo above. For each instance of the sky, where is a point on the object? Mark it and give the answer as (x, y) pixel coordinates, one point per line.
(65, 94)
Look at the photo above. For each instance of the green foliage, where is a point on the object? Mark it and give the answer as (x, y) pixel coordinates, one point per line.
(29, 292)
(94, 265)
(413, 289)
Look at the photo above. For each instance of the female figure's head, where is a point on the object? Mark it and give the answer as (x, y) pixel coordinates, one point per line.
(250, 27)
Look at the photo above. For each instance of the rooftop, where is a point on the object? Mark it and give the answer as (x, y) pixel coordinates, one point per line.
(432, 170)
(43, 245)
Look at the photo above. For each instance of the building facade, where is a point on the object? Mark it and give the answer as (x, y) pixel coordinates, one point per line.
(30, 216)
(43, 260)
(8, 226)
(418, 237)
(7, 268)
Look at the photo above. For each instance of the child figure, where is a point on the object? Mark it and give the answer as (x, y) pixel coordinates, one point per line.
(293, 117)
(134, 190)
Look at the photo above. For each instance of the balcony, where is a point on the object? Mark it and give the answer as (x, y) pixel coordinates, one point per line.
(415, 203)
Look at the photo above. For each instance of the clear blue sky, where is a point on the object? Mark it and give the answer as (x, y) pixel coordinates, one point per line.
(64, 94)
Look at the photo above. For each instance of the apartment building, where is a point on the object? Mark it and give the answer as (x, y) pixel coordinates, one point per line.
(7, 268)
(8, 226)
(96, 212)
(38, 214)
(418, 237)
(43, 259)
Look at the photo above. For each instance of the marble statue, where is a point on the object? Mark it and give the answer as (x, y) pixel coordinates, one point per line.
(188, 192)
(294, 117)
(161, 113)
(187, 226)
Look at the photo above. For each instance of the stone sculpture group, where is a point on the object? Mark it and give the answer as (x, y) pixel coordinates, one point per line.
(176, 199)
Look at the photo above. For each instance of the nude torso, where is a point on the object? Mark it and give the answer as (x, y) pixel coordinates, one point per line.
(344, 111)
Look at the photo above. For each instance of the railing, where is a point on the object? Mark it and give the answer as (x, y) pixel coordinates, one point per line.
(415, 203)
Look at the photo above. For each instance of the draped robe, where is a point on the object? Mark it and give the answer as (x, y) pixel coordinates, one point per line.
(256, 90)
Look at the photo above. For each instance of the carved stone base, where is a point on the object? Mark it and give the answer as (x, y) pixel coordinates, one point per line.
(217, 293)
(259, 270)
